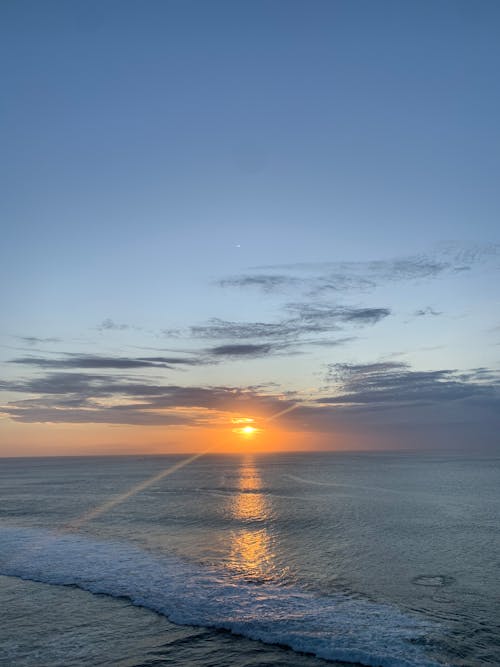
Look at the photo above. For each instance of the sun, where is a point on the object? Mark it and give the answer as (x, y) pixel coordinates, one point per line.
(244, 427)
(248, 430)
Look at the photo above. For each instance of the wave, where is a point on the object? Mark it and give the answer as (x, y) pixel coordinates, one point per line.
(335, 627)
(317, 482)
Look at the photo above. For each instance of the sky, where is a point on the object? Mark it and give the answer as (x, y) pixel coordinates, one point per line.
(278, 211)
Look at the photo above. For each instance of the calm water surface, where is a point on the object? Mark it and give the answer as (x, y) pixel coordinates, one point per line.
(375, 559)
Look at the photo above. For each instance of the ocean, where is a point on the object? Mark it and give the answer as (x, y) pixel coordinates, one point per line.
(279, 560)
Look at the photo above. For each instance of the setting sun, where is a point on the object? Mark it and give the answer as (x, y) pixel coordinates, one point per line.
(246, 431)
(244, 426)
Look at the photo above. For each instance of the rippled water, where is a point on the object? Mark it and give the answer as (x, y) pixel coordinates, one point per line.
(379, 559)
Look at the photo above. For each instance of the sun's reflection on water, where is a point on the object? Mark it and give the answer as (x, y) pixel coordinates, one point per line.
(251, 551)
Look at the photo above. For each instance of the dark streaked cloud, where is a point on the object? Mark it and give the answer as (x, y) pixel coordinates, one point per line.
(306, 319)
(35, 340)
(309, 324)
(364, 315)
(274, 348)
(347, 276)
(343, 371)
(325, 313)
(265, 282)
(338, 276)
(455, 256)
(87, 385)
(242, 350)
(110, 325)
(84, 361)
(327, 342)
(182, 361)
(338, 282)
(80, 397)
(227, 330)
(407, 268)
(88, 361)
(390, 405)
(422, 312)
(390, 383)
(117, 414)
(81, 384)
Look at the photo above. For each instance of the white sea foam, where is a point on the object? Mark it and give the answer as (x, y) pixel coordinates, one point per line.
(335, 627)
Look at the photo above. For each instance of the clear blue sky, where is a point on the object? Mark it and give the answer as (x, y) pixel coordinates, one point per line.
(326, 170)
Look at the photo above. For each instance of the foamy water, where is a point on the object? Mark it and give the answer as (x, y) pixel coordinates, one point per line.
(336, 627)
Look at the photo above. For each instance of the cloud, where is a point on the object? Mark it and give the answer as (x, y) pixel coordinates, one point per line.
(422, 312)
(407, 268)
(328, 342)
(309, 325)
(338, 282)
(332, 315)
(81, 384)
(392, 383)
(93, 398)
(126, 415)
(307, 319)
(333, 282)
(255, 350)
(182, 361)
(227, 330)
(390, 405)
(109, 325)
(265, 282)
(35, 340)
(242, 350)
(338, 276)
(88, 361)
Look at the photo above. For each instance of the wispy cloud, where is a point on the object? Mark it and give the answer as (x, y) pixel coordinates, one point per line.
(422, 312)
(110, 325)
(228, 330)
(396, 383)
(329, 316)
(265, 282)
(36, 340)
(242, 350)
(88, 361)
(320, 278)
(307, 319)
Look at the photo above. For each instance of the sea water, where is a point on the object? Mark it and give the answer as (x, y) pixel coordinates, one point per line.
(386, 559)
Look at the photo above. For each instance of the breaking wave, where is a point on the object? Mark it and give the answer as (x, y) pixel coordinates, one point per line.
(333, 627)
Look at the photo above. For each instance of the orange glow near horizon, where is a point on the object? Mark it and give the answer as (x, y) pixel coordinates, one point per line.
(44, 439)
(222, 433)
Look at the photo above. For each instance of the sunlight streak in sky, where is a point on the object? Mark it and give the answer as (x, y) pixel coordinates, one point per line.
(283, 412)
